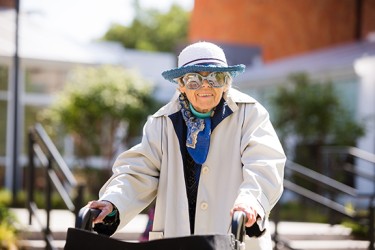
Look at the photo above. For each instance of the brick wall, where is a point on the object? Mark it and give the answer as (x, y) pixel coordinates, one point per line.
(368, 17)
(281, 27)
(7, 3)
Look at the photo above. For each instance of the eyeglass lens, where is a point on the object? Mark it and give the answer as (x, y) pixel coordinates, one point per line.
(195, 80)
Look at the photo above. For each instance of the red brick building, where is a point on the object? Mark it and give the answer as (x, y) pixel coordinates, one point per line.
(282, 27)
(7, 3)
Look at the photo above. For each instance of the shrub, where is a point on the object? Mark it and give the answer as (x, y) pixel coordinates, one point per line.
(8, 232)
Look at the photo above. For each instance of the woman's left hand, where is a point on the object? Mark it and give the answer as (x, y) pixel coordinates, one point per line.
(250, 212)
(106, 207)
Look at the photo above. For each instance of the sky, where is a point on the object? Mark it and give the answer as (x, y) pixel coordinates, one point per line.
(86, 20)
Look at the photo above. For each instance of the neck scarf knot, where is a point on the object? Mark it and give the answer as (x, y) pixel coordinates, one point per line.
(198, 132)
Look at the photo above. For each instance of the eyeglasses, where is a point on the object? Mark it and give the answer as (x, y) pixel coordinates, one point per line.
(195, 80)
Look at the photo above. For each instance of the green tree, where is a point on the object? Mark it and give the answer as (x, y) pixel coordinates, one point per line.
(152, 30)
(311, 113)
(96, 104)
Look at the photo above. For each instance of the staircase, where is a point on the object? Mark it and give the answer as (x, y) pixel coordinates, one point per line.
(317, 236)
(299, 235)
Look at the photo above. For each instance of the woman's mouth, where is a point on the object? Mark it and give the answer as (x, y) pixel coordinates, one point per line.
(204, 95)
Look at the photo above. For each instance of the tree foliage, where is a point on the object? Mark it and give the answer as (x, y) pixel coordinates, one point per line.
(152, 30)
(312, 112)
(97, 103)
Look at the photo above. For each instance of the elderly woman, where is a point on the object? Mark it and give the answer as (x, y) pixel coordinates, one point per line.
(208, 152)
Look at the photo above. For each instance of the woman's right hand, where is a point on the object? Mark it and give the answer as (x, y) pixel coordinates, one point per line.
(106, 208)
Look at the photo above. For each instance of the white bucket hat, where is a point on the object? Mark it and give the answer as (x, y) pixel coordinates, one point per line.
(202, 56)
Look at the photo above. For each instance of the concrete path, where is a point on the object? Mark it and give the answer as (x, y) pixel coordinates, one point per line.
(61, 220)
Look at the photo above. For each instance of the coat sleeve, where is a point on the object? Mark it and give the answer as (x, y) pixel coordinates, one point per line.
(263, 162)
(134, 182)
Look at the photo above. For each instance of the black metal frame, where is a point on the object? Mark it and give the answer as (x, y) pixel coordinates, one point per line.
(42, 148)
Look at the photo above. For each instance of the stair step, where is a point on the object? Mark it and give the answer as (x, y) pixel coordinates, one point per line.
(39, 244)
(329, 245)
(37, 234)
(312, 231)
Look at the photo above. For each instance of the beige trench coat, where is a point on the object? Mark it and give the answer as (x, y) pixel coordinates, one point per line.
(245, 164)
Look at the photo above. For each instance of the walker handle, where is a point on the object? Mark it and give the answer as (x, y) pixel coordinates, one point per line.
(238, 225)
(85, 217)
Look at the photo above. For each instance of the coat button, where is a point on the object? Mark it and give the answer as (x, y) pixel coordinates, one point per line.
(205, 170)
(204, 205)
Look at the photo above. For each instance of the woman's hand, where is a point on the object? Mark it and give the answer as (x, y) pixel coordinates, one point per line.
(251, 214)
(105, 206)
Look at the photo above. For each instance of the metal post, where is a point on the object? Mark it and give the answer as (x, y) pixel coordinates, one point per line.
(79, 199)
(15, 149)
(30, 196)
(48, 200)
(371, 223)
(276, 212)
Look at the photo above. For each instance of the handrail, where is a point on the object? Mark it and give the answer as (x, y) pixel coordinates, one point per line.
(42, 148)
(322, 200)
(332, 184)
(318, 198)
(329, 182)
(370, 158)
(356, 152)
(359, 173)
(54, 153)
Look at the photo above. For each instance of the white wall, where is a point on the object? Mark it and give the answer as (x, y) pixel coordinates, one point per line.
(365, 68)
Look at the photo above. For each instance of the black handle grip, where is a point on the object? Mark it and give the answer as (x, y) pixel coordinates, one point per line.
(238, 225)
(85, 217)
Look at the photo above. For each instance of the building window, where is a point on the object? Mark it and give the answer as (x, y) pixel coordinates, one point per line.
(41, 86)
(44, 81)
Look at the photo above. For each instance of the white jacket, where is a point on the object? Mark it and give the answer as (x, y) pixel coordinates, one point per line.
(245, 164)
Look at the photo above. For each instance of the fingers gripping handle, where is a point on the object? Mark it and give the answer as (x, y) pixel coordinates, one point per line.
(85, 217)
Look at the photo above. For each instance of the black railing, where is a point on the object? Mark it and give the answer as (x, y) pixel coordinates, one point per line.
(57, 176)
(326, 199)
(347, 161)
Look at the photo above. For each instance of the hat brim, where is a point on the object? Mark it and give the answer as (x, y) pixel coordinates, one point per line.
(172, 74)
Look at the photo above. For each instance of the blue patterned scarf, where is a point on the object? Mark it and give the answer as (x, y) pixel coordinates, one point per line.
(198, 132)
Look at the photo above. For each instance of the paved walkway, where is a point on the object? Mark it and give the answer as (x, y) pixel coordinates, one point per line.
(61, 220)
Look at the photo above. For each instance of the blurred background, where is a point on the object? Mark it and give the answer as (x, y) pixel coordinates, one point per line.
(79, 78)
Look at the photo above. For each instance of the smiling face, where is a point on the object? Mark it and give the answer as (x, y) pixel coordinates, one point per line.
(205, 98)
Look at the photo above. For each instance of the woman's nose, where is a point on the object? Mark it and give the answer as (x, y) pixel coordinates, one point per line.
(205, 83)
